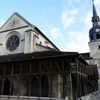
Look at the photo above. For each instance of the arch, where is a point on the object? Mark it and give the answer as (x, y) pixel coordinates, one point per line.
(0, 86)
(91, 38)
(34, 87)
(8, 88)
(44, 86)
(97, 36)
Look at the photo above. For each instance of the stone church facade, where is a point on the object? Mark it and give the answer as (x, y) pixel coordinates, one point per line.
(28, 37)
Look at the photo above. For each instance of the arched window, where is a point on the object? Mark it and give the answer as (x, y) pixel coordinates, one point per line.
(97, 36)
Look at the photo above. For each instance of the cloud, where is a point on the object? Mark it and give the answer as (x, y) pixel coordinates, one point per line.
(78, 42)
(87, 20)
(69, 17)
(78, 39)
(97, 2)
(72, 1)
(55, 32)
(73, 12)
(79, 18)
(97, 5)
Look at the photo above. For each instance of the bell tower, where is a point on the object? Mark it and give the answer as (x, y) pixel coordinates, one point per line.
(94, 36)
(94, 42)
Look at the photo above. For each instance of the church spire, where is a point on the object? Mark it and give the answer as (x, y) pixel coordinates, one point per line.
(94, 10)
(95, 18)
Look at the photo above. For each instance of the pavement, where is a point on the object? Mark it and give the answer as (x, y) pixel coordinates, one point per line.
(95, 96)
(92, 96)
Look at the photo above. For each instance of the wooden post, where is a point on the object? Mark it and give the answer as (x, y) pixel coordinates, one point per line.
(77, 80)
(29, 90)
(50, 86)
(40, 78)
(70, 88)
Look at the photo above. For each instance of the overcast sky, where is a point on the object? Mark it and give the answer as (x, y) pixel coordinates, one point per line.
(65, 22)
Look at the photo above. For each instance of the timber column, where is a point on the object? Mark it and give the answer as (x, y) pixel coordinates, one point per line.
(68, 87)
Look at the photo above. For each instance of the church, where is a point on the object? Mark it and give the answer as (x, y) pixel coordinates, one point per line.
(33, 68)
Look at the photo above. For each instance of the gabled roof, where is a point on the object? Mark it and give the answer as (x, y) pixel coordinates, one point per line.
(15, 14)
(24, 23)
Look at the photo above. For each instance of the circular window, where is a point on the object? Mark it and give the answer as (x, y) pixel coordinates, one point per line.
(12, 42)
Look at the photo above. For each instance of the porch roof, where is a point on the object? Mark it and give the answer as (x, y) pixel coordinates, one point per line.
(41, 55)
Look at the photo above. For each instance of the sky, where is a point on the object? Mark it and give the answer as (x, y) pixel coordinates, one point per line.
(65, 22)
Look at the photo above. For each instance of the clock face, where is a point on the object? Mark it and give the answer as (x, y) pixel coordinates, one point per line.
(97, 30)
(12, 42)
